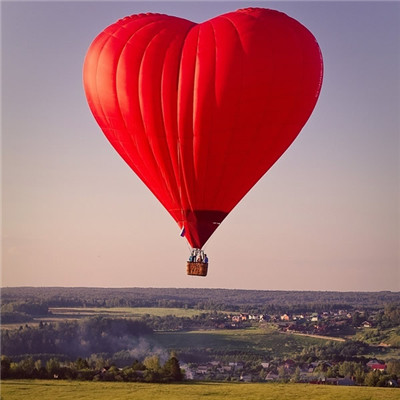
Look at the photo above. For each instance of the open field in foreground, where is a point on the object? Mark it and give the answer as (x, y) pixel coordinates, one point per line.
(65, 390)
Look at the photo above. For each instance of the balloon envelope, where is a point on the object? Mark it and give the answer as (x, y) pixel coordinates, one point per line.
(200, 112)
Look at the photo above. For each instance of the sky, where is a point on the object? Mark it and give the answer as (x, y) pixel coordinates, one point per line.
(325, 217)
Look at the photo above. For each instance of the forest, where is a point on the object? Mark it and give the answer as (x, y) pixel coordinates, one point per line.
(210, 299)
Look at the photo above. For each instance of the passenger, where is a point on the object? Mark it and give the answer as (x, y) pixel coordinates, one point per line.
(205, 258)
(192, 257)
(199, 255)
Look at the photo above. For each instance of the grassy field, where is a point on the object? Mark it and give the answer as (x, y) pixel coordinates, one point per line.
(253, 340)
(131, 312)
(64, 390)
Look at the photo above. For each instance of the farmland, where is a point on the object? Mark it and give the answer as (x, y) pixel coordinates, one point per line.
(65, 390)
(131, 312)
(252, 340)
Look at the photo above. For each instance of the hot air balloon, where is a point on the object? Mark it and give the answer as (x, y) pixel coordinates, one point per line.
(200, 112)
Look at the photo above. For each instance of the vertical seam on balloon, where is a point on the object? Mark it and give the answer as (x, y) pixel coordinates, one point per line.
(178, 143)
(195, 99)
(220, 187)
(176, 192)
(182, 176)
(195, 110)
(192, 146)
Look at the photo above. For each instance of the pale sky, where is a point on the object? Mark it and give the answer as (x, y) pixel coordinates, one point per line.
(325, 217)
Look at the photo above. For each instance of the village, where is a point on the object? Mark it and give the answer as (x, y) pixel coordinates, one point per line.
(283, 371)
(336, 323)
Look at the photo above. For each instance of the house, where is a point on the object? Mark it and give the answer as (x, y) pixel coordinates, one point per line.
(325, 314)
(373, 361)
(366, 324)
(377, 367)
(202, 370)
(265, 365)
(314, 317)
(285, 317)
(244, 317)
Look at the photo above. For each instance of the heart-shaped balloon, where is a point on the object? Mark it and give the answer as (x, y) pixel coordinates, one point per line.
(200, 112)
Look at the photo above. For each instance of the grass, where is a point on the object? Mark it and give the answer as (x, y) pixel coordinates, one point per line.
(252, 340)
(65, 390)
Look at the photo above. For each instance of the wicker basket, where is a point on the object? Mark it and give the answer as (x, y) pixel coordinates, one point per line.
(197, 268)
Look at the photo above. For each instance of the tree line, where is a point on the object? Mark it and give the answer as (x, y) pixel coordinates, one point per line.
(210, 299)
(150, 370)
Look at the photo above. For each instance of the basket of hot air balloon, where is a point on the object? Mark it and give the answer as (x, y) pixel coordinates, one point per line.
(198, 263)
(197, 268)
(201, 111)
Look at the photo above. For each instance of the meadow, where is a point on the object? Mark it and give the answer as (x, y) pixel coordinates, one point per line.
(250, 341)
(65, 390)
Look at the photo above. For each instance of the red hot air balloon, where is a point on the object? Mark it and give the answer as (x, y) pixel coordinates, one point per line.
(201, 112)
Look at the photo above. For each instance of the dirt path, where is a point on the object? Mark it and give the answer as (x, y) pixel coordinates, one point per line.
(337, 339)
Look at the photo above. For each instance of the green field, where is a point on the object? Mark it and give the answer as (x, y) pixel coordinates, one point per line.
(251, 340)
(64, 390)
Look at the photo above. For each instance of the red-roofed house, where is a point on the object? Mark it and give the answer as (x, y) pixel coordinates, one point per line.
(378, 367)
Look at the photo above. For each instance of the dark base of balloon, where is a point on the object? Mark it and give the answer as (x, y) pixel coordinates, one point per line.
(197, 268)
